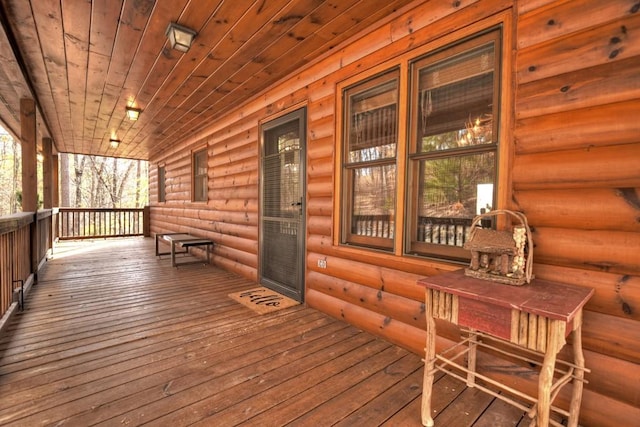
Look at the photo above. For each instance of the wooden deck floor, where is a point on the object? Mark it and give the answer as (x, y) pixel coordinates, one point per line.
(113, 336)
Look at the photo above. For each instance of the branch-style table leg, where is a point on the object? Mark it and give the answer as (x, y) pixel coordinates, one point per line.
(429, 362)
(578, 360)
(555, 341)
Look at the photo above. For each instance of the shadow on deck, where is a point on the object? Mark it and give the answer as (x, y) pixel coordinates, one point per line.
(113, 336)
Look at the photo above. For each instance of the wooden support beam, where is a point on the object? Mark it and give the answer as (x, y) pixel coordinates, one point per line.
(55, 190)
(47, 173)
(29, 151)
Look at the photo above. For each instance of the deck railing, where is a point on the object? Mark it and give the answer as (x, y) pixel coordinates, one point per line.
(443, 231)
(89, 223)
(373, 225)
(439, 230)
(26, 239)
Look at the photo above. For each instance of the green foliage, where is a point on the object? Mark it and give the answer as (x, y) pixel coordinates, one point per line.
(449, 185)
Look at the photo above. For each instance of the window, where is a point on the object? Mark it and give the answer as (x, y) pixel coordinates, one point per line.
(453, 134)
(200, 176)
(447, 139)
(161, 184)
(369, 162)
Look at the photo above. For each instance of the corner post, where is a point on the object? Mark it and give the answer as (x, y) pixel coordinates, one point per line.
(28, 132)
(29, 155)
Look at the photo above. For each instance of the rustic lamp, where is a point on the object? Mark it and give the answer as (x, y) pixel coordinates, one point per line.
(180, 37)
(133, 113)
(114, 142)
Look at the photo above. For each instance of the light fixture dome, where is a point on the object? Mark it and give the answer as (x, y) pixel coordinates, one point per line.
(180, 37)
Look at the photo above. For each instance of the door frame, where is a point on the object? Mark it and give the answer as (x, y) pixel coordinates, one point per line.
(296, 113)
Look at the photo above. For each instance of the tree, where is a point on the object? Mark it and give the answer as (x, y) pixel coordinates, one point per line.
(10, 173)
(85, 181)
(78, 161)
(101, 182)
(64, 180)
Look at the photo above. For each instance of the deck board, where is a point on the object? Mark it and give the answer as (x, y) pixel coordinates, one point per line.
(113, 336)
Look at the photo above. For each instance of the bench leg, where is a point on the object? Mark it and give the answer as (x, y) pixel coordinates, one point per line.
(160, 236)
(173, 254)
(185, 245)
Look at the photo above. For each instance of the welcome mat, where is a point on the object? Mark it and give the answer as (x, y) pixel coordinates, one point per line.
(263, 300)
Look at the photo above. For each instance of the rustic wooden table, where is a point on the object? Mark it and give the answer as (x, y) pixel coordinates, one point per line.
(534, 318)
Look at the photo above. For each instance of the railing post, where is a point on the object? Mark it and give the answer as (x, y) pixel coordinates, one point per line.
(28, 135)
(146, 221)
(55, 218)
(34, 241)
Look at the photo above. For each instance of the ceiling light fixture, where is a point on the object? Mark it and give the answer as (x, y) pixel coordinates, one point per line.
(133, 113)
(114, 142)
(180, 37)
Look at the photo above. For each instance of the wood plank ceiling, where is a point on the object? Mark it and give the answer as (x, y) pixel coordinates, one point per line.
(86, 60)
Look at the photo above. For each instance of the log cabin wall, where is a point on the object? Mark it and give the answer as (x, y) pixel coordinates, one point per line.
(574, 171)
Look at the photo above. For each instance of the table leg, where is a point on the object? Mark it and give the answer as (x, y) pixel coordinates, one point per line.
(429, 362)
(173, 253)
(471, 360)
(554, 341)
(578, 360)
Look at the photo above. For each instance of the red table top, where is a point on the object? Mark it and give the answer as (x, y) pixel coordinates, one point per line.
(549, 299)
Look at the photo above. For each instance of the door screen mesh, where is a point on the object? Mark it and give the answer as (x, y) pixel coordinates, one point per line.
(281, 205)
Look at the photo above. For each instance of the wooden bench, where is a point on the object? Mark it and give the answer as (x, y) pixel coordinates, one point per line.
(182, 241)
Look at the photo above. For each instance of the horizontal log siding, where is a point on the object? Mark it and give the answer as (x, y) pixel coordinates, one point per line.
(574, 173)
(575, 176)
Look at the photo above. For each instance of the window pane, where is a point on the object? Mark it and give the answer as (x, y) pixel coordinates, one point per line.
(451, 191)
(280, 168)
(455, 101)
(161, 184)
(374, 190)
(283, 139)
(201, 163)
(200, 189)
(372, 122)
(369, 161)
(200, 177)
(282, 182)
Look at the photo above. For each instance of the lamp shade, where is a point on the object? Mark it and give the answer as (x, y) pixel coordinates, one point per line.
(114, 142)
(180, 37)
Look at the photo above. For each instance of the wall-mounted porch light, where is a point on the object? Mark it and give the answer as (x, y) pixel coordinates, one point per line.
(133, 113)
(114, 142)
(180, 37)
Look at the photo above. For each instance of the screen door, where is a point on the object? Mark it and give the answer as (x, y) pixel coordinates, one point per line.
(282, 214)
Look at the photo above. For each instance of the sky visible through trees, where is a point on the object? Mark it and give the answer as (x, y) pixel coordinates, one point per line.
(85, 181)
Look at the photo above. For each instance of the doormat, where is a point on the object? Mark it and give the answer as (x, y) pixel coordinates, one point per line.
(263, 300)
